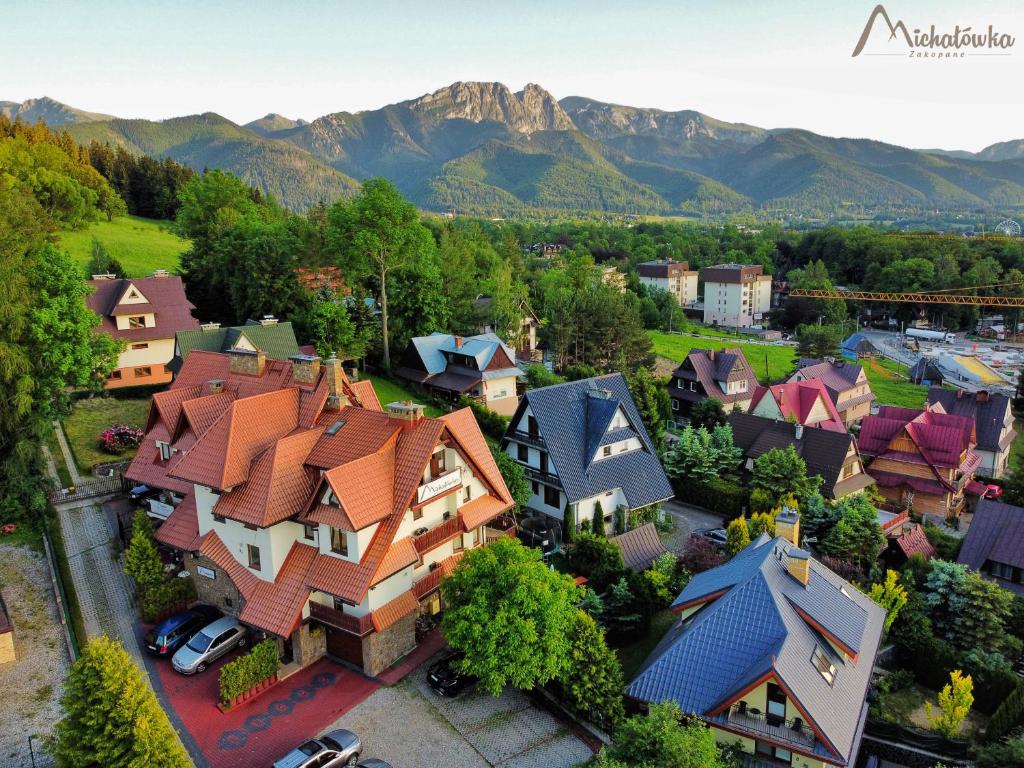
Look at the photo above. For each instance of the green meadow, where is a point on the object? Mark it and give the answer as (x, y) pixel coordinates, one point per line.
(140, 245)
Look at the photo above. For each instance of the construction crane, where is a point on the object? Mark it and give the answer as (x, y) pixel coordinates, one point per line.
(929, 297)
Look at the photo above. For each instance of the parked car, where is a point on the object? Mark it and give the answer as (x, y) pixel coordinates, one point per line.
(336, 748)
(374, 762)
(716, 536)
(209, 644)
(140, 493)
(174, 631)
(993, 491)
(445, 680)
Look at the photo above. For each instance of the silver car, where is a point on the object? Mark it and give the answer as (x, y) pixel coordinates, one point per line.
(333, 749)
(209, 644)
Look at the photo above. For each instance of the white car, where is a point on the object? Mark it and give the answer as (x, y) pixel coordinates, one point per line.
(209, 644)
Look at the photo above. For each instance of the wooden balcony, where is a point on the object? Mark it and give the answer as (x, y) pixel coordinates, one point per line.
(526, 438)
(332, 617)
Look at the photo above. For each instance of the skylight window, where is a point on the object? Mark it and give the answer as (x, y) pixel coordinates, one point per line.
(825, 667)
(333, 429)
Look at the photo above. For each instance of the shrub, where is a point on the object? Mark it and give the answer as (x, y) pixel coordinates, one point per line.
(666, 578)
(955, 701)
(844, 568)
(737, 535)
(1008, 715)
(491, 424)
(597, 521)
(1004, 755)
(569, 523)
(118, 438)
(946, 545)
(596, 558)
(716, 495)
(700, 555)
(245, 672)
(592, 683)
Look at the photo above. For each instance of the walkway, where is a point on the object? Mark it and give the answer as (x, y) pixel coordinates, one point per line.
(69, 460)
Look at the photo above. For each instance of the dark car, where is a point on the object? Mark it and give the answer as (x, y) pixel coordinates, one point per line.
(141, 493)
(445, 680)
(716, 536)
(174, 631)
(374, 762)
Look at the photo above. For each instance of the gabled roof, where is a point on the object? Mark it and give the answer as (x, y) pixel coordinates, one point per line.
(572, 416)
(987, 410)
(926, 370)
(913, 541)
(640, 547)
(858, 344)
(940, 438)
(796, 400)
(823, 450)
(165, 298)
(997, 534)
(758, 622)
(837, 376)
(711, 367)
(277, 340)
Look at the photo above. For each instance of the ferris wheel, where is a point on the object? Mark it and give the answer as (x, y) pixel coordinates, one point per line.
(1008, 227)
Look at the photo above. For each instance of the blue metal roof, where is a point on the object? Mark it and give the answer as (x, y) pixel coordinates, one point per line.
(573, 419)
(754, 628)
(481, 348)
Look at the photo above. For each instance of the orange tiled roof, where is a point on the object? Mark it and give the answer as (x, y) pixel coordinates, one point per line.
(401, 554)
(335, 517)
(279, 484)
(165, 407)
(463, 427)
(339, 577)
(362, 433)
(366, 395)
(432, 580)
(148, 468)
(277, 606)
(481, 510)
(364, 487)
(212, 546)
(200, 413)
(221, 458)
(392, 611)
(181, 529)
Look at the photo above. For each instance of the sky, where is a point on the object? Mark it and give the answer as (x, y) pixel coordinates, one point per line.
(772, 63)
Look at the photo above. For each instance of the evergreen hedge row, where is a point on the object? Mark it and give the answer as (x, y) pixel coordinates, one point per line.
(716, 495)
(1007, 716)
(248, 671)
(491, 423)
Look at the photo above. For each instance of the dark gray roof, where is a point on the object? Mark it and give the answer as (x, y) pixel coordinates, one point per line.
(756, 628)
(823, 450)
(573, 419)
(926, 370)
(997, 534)
(640, 547)
(987, 413)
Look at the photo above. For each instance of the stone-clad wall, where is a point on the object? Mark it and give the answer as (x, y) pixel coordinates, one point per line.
(382, 649)
(219, 591)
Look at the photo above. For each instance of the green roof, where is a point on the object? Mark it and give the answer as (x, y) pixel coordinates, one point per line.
(277, 340)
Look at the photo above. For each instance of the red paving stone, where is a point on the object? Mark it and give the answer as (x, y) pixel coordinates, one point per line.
(261, 731)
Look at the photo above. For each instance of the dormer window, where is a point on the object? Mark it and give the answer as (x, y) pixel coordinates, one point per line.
(824, 666)
(136, 321)
(606, 451)
(165, 450)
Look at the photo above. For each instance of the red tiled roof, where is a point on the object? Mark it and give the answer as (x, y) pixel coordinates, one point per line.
(212, 547)
(364, 487)
(148, 468)
(914, 541)
(165, 407)
(481, 510)
(363, 432)
(221, 458)
(166, 300)
(432, 580)
(201, 412)
(279, 484)
(277, 606)
(463, 427)
(366, 395)
(796, 399)
(181, 529)
(339, 577)
(335, 517)
(391, 612)
(401, 554)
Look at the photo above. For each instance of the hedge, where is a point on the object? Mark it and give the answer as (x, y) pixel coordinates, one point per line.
(491, 424)
(248, 671)
(716, 495)
(1007, 716)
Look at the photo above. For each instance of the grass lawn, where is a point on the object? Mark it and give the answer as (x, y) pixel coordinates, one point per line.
(633, 652)
(907, 707)
(90, 417)
(389, 391)
(781, 360)
(58, 458)
(140, 245)
(889, 383)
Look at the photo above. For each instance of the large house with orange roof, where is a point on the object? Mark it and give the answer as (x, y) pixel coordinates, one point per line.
(924, 459)
(307, 510)
(802, 402)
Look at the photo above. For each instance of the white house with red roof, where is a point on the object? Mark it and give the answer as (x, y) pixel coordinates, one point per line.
(803, 402)
(145, 313)
(305, 506)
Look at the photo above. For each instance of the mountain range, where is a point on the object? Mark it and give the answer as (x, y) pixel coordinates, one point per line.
(481, 148)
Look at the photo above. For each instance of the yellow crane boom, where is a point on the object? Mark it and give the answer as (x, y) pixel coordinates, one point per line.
(918, 298)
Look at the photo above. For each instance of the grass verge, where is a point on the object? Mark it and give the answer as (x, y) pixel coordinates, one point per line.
(139, 245)
(70, 597)
(889, 382)
(91, 416)
(390, 391)
(633, 651)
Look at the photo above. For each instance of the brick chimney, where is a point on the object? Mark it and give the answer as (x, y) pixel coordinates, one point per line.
(406, 411)
(214, 386)
(105, 276)
(209, 326)
(458, 342)
(787, 525)
(305, 368)
(798, 563)
(246, 362)
(335, 375)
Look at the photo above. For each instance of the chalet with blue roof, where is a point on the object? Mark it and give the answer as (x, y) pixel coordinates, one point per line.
(774, 652)
(480, 367)
(583, 442)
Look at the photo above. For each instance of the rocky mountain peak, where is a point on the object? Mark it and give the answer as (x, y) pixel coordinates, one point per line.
(531, 109)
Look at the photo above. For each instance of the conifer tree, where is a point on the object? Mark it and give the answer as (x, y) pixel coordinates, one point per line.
(737, 535)
(568, 523)
(597, 523)
(141, 559)
(112, 718)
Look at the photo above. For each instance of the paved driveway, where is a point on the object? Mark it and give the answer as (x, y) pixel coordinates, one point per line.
(688, 519)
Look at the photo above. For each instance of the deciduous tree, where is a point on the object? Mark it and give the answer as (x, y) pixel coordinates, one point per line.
(665, 738)
(592, 682)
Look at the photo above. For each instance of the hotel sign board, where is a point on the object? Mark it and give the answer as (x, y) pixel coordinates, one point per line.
(439, 485)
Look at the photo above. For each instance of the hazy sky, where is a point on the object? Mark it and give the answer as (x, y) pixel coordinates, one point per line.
(772, 64)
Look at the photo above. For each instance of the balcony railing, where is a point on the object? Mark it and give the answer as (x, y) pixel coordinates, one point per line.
(356, 625)
(499, 527)
(795, 731)
(533, 473)
(527, 439)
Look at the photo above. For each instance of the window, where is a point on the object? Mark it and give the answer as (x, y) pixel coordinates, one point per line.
(254, 556)
(531, 426)
(1001, 570)
(776, 713)
(543, 462)
(824, 666)
(523, 453)
(437, 464)
(693, 386)
(165, 450)
(457, 544)
(114, 375)
(339, 542)
(417, 513)
(137, 321)
(219, 519)
(551, 497)
(606, 451)
(535, 487)
(142, 345)
(309, 532)
(675, 405)
(143, 371)
(467, 494)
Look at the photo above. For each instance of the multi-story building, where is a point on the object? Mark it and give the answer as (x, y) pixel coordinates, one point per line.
(846, 383)
(924, 460)
(774, 652)
(145, 313)
(309, 512)
(583, 443)
(676, 277)
(805, 402)
(993, 424)
(736, 295)
(725, 376)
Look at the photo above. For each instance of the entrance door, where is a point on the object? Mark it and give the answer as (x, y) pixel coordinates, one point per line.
(776, 705)
(345, 646)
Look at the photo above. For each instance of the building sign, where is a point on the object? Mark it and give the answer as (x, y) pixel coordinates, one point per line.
(439, 485)
(209, 573)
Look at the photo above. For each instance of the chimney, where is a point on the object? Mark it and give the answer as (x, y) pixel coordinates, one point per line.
(209, 326)
(335, 375)
(799, 430)
(406, 411)
(214, 386)
(787, 525)
(458, 342)
(246, 362)
(798, 563)
(105, 276)
(711, 354)
(268, 320)
(160, 273)
(305, 368)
